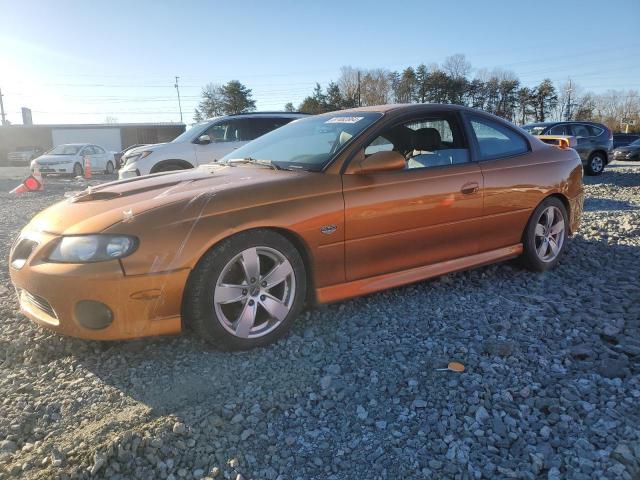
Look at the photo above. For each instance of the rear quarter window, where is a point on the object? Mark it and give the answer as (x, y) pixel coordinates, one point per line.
(495, 140)
(595, 131)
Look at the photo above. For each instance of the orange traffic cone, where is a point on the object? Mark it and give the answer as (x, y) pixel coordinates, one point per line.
(87, 166)
(30, 184)
(38, 176)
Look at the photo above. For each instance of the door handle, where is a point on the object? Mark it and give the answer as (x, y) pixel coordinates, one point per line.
(470, 188)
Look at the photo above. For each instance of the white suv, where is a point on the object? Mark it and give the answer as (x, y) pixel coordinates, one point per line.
(204, 142)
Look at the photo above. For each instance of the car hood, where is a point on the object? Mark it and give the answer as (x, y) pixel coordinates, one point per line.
(151, 148)
(97, 208)
(45, 159)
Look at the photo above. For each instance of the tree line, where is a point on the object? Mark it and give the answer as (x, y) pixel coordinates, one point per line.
(495, 91)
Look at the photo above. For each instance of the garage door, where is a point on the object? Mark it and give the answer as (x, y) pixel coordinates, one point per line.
(109, 138)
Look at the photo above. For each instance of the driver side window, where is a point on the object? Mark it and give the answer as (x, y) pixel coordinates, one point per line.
(228, 131)
(429, 142)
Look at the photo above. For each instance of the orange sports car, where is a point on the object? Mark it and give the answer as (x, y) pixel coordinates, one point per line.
(323, 209)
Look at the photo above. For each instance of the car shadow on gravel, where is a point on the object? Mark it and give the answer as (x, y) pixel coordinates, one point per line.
(557, 344)
(592, 204)
(615, 178)
(172, 374)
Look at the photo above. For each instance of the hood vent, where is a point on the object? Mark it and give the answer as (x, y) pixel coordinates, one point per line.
(89, 196)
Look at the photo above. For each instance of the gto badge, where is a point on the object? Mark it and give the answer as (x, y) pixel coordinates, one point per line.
(328, 229)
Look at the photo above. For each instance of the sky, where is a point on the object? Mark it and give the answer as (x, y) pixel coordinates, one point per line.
(84, 61)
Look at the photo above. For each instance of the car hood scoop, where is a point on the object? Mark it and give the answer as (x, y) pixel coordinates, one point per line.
(104, 193)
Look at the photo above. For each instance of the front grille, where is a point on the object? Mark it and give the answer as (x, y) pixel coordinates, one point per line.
(39, 302)
(21, 252)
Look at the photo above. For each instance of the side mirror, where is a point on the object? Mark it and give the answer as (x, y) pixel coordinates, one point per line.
(378, 162)
(204, 139)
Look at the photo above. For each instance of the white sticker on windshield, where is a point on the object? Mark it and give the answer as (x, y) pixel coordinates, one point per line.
(344, 120)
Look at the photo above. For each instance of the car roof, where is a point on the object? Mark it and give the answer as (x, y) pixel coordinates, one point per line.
(407, 107)
(258, 114)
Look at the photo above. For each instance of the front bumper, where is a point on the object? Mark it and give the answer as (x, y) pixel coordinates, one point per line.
(124, 174)
(55, 168)
(142, 305)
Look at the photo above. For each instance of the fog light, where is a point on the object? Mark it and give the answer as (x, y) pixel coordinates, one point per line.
(93, 315)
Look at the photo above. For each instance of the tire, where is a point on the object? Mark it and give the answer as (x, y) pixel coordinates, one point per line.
(595, 164)
(218, 307)
(78, 171)
(539, 239)
(109, 170)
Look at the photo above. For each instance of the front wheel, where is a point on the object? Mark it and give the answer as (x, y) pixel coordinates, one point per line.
(545, 236)
(78, 171)
(595, 164)
(246, 291)
(109, 170)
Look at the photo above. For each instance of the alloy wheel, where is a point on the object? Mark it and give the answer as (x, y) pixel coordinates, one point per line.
(254, 292)
(549, 234)
(597, 164)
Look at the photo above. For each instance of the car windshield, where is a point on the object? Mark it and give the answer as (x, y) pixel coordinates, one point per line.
(309, 143)
(534, 129)
(186, 135)
(64, 150)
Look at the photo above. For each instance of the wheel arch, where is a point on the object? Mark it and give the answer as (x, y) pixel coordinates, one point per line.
(296, 240)
(565, 201)
(602, 152)
(184, 164)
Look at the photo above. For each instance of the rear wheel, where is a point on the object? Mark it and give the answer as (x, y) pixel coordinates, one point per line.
(109, 170)
(246, 291)
(545, 236)
(78, 171)
(595, 164)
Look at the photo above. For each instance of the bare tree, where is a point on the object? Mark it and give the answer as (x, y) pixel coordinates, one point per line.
(457, 66)
(375, 87)
(348, 84)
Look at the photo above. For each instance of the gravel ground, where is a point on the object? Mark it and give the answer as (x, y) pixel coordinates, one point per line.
(551, 387)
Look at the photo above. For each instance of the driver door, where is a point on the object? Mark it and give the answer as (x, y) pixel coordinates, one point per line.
(225, 136)
(428, 213)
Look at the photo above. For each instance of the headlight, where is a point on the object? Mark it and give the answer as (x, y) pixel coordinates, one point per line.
(93, 248)
(137, 156)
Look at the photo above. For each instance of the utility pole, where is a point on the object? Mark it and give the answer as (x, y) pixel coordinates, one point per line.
(4, 119)
(179, 104)
(569, 90)
(359, 100)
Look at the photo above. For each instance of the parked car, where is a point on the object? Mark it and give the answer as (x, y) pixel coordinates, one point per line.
(70, 159)
(23, 155)
(304, 213)
(594, 141)
(624, 139)
(118, 155)
(203, 143)
(630, 152)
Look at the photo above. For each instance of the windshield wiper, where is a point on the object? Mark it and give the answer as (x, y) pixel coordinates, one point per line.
(266, 163)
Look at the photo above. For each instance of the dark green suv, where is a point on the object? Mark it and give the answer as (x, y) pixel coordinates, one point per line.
(594, 141)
